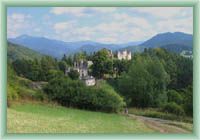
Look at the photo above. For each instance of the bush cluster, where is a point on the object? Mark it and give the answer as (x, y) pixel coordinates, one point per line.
(74, 93)
(172, 107)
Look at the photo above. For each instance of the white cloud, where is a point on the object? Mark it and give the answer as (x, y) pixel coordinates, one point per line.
(19, 17)
(132, 20)
(60, 26)
(81, 11)
(17, 22)
(104, 24)
(103, 9)
(184, 25)
(76, 11)
(164, 12)
(37, 30)
(110, 32)
(108, 39)
(122, 28)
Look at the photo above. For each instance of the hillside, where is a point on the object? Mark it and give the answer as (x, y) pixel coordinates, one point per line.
(22, 88)
(19, 52)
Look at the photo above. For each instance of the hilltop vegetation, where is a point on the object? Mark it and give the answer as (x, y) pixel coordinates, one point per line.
(177, 48)
(15, 52)
(19, 88)
(159, 79)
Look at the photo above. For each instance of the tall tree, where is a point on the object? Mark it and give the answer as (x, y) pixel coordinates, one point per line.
(102, 63)
(145, 83)
(62, 66)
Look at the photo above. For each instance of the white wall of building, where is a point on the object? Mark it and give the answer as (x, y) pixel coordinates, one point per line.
(90, 82)
(124, 55)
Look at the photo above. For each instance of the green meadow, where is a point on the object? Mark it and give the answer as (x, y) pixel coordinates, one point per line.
(40, 118)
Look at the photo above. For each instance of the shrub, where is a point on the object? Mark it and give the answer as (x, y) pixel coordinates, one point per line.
(188, 100)
(174, 96)
(74, 93)
(53, 74)
(74, 74)
(172, 107)
(11, 93)
(39, 95)
(108, 99)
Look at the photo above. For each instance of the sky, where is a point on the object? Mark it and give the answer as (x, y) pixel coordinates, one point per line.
(99, 24)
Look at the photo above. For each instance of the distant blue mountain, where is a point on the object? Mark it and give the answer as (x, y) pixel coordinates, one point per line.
(58, 48)
(175, 42)
(135, 43)
(46, 46)
(90, 48)
(169, 38)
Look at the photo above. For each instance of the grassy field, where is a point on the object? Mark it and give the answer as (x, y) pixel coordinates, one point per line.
(39, 118)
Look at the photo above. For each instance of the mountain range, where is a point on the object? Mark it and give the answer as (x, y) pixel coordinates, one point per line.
(58, 48)
(175, 42)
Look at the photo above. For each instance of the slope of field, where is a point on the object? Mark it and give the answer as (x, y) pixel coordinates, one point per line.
(38, 118)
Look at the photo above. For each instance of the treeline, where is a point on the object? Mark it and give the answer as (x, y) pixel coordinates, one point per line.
(68, 90)
(36, 70)
(43, 69)
(155, 78)
(105, 64)
(19, 88)
(159, 79)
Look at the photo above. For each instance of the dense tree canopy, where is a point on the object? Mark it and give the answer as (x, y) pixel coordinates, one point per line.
(154, 78)
(36, 70)
(102, 64)
(74, 74)
(139, 83)
(157, 78)
(74, 93)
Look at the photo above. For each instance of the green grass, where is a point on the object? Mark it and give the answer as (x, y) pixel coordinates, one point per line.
(41, 118)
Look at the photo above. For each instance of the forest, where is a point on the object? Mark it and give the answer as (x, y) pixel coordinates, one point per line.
(154, 78)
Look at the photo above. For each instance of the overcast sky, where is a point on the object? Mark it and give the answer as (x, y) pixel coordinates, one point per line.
(102, 24)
